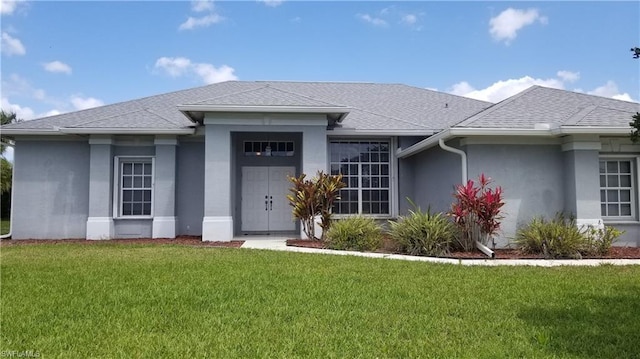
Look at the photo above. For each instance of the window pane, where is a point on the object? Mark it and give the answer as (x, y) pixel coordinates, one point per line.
(126, 209)
(384, 169)
(384, 182)
(137, 168)
(612, 167)
(137, 209)
(625, 209)
(127, 168)
(375, 208)
(127, 196)
(137, 182)
(625, 166)
(353, 182)
(612, 196)
(147, 168)
(612, 210)
(625, 196)
(384, 207)
(147, 196)
(603, 181)
(603, 197)
(353, 196)
(366, 195)
(147, 182)
(625, 181)
(384, 195)
(126, 182)
(375, 169)
(146, 209)
(603, 209)
(137, 196)
(602, 167)
(612, 181)
(366, 208)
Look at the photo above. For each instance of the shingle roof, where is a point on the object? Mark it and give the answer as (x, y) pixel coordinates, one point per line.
(372, 106)
(556, 108)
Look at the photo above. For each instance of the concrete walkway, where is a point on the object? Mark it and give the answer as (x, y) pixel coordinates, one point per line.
(279, 244)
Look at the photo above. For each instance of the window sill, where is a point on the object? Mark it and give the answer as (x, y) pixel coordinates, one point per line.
(620, 221)
(132, 217)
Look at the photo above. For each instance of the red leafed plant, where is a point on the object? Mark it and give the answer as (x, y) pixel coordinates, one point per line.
(477, 212)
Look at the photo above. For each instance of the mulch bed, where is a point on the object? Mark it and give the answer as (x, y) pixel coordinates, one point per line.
(614, 253)
(194, 241)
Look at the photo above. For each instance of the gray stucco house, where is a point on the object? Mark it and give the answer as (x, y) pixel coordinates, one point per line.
(212, 161)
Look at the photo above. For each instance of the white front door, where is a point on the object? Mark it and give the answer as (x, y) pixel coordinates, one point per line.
(264, 199)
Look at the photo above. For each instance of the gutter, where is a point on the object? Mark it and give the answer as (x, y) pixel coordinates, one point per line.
(463, 158)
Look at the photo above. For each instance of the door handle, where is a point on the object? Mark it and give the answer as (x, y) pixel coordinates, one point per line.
(271, 203)
(266, 203)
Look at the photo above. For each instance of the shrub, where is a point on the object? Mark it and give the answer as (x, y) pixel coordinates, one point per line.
(477, 212)
(423, 233)
(354, 233)
(561, 237)
(315, 197)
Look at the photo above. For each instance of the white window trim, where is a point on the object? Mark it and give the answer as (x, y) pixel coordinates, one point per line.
(393, 176)
(117, 185)
(635, 188)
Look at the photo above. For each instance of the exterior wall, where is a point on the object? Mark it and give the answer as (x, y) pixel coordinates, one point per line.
(190, 188)
(435, 172)
(531, 177)
(631, 235)
(51, 189)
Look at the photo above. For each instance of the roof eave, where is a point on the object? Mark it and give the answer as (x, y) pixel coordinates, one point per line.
(127, 131)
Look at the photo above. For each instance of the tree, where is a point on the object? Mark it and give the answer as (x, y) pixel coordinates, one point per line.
(635, 124)
(6, 167)
(5, 119)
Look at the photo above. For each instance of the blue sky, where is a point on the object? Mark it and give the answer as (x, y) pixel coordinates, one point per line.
(65, 56)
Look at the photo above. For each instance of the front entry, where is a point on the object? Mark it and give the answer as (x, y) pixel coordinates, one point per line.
(265, 207)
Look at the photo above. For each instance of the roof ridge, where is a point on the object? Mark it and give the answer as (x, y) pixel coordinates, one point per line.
(162, 117)
(495, 107)
(579, 115)
(232, 93)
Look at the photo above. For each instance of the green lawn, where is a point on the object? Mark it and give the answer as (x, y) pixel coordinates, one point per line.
(4, 226)
(116, 300)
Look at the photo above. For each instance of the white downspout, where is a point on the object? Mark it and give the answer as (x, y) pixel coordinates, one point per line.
(13, 182)
(463, 157)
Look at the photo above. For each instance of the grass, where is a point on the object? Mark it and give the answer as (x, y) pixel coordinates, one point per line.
(116, 300)
(4, 226)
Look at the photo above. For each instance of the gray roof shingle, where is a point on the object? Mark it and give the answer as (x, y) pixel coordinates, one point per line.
(372, 106)
(556, 108)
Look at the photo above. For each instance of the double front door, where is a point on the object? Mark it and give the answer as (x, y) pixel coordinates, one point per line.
(265, 207)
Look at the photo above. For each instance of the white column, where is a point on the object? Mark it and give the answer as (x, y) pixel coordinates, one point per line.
(164, 220)
(100, 220)
(217, 224)
(582, 179)
(314, 158)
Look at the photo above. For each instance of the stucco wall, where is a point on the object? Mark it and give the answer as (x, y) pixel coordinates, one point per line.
(190, 188)
(434, 173)
(531, 177)
(51, 199)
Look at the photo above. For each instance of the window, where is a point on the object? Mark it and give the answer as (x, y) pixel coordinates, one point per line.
(365, 167)
(135, 186)
(269, 148)
(617, 192)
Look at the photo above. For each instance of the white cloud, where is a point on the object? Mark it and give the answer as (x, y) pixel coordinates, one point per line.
(568, 76)
(57, 67)
(12, 46)
(14, 85)
(272, 3)
(610, 89)
(23, 113)
(202, 5)
(209, 74)
(409, 19)
(502, 89)
(83, 103)
(375, 21)
(506, 25)
(8, 7)
(193, 22)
